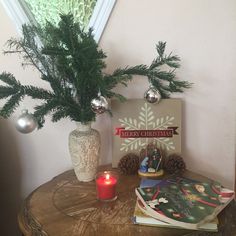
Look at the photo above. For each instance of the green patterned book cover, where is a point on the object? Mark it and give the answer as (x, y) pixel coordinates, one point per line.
(184, 202)
(140, 217)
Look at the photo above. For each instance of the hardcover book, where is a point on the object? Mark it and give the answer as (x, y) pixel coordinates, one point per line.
(136, 123)
(183, 202)
(140, 217)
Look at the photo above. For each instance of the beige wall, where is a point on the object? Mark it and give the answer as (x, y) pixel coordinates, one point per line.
(201, 32)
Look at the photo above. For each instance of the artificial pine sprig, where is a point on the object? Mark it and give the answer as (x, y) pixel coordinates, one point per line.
(69, 59)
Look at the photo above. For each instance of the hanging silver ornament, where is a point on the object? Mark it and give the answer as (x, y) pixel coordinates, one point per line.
(99, 104)
(26, 123)
(152, 95)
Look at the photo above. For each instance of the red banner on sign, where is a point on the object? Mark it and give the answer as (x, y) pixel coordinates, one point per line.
(159, 133)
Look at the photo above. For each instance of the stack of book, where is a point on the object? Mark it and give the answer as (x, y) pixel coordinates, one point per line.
(179, 202)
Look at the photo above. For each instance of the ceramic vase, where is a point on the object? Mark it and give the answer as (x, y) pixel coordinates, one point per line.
(84, 147)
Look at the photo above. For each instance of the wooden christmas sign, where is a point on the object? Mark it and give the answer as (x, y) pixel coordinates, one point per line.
(136, 123)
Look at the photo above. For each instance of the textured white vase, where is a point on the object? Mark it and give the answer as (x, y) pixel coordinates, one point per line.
(84, 147)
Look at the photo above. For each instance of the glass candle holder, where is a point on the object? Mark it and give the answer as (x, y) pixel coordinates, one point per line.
(106, 183)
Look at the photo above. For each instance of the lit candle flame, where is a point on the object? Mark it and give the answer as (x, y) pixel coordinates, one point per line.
(107, 176)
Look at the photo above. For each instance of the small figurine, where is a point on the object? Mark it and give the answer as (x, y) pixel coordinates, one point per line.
(151, 161)
(156, 159)
(144, 165)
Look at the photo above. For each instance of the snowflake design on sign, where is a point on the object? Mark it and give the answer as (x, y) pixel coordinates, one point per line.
(146, 121)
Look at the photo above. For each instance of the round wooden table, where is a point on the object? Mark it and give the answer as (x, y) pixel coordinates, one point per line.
(66, 207)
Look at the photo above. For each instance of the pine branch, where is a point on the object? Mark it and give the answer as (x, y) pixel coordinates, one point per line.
(178, 86)
(158, 85)
(56, 51)
(37, 93)
(160, 47)
(163, 75)
(6, 91)
(172, 61)
(59, 114)
(25, 51)
(44, 109)
(55, 84)
(111, 94)
(69, 59)
(111, 81)
(8, 78)
(16, 87)
(123, 76)
(135, 70)
(182, 84)
(11, 105)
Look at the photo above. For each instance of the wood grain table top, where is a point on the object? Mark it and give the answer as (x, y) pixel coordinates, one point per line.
(66, 207)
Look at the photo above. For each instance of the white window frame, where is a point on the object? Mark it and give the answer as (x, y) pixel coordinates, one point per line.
(97, 21)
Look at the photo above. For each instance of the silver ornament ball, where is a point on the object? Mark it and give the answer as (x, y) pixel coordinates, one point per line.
(152, 95)
(26, 123)
(99, 105)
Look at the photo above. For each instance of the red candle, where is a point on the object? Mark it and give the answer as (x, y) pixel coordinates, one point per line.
(106, 186)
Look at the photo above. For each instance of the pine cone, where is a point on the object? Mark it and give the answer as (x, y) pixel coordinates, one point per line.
(129, 164)
(174, 164)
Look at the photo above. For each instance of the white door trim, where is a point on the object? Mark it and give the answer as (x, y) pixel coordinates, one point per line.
(98, 19)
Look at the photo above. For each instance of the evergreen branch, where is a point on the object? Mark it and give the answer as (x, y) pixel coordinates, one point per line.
(161, 88)
(44, 109)
(13, 43)
(160, 47)
(163, 75)
(163, 92)
(171, 88)
(182, 84)
(59, 114)
(124, 75)
(172, 61)
(37, 93)
(8, 78)
(172, 64)
(72, 63)
(40, 122)
(54, 83)
(111, 94)
(31, 58)
(68, 29)
(54, 51)
(6, 91)
(135, 70)
(120, 97)
(111, 81)
(24, 45)
(178, 86)
(10, 105)
(156, 63)
(30, 50)
(15, 86)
